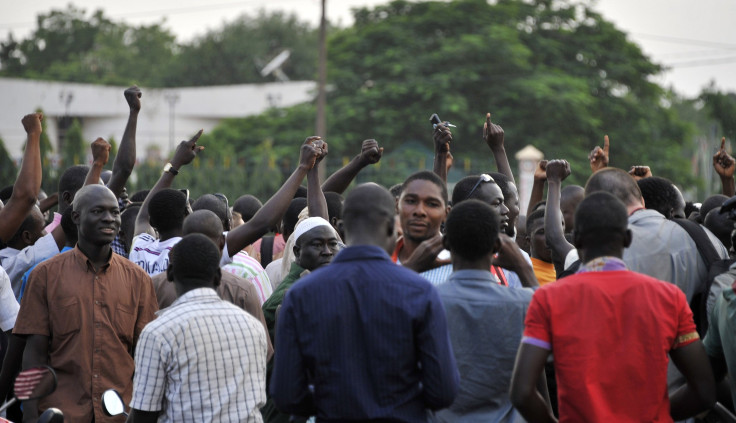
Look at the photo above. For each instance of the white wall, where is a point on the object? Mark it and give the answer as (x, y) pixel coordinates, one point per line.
(104, 111)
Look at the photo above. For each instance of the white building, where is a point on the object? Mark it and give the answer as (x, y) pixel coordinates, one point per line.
(103, 111)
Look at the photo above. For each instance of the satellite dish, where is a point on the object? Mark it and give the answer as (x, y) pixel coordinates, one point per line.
(274, 66)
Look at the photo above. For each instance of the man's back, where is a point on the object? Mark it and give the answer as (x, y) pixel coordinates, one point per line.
(150, 253)
(486, 321)
(610, 333)
(205, 358)
(372, 337)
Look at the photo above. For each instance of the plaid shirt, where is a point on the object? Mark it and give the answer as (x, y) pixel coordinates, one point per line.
(201, 347)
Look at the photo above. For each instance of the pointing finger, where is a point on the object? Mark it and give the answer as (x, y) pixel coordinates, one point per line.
(606, 144)
(723, 143)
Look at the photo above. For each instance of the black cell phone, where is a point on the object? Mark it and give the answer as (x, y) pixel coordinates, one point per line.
(435, 120)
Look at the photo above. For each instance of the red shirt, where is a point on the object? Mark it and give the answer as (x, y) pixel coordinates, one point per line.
(610, 333)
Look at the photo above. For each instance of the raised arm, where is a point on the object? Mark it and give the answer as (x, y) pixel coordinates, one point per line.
(442, 138)
(316, 203)
(540, 177)
(725, 165)
(48, 202)
(274, 209)
(100, 155)
(125, 159)
(28, 183)
(493, 136)
(557, 171)
(339, 181)
(599, 156)
(640, 172)
(185, 153)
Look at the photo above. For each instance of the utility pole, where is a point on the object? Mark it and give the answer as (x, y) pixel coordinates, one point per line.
(321, 85)
(172, 98)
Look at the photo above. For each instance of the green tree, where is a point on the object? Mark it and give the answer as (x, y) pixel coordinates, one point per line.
(8, 172)
(75, 148)
(722, 108)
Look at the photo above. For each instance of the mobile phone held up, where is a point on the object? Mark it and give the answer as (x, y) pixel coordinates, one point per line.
(435, 120)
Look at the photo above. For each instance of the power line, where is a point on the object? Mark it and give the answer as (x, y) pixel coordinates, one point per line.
(696, 63)
(678, 40)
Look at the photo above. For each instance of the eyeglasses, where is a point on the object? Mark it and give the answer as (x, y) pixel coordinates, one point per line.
(482, 178)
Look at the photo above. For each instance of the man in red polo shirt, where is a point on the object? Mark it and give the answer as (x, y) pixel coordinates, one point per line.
(610, 331)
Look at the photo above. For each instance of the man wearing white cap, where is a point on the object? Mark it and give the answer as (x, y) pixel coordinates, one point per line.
(315, 244)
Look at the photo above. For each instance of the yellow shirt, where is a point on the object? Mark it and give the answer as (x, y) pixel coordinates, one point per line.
(545, 272)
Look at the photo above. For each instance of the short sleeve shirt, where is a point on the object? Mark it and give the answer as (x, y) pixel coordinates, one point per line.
(151, 254)
(610, 333)
(93, 319)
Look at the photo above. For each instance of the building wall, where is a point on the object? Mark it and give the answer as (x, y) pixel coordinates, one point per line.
(104, 112)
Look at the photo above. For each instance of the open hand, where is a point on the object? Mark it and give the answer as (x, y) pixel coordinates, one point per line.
(558, 170)
(492, 133)
(442, 138)
(100, 151)
(540, 173)
(599, 156)
(640, 172)
(187, 151)
(133, 97)
(370, 153)
(723, 163)
(32, 123)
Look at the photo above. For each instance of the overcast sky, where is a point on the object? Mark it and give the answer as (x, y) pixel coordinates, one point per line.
(696, 39)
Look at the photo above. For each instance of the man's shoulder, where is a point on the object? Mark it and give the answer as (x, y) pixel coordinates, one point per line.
(124, 263)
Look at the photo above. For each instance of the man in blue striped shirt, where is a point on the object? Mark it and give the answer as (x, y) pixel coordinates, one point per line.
(363, 338)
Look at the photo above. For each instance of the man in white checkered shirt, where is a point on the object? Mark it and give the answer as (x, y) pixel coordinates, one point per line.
(202, 359)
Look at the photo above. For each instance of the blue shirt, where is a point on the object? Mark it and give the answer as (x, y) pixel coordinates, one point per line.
(363, 338)
(24, 280)
(486, 322)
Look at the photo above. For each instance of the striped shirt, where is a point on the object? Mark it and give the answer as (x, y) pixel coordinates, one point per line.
(150, 253)
(201, 360)
(251, 270)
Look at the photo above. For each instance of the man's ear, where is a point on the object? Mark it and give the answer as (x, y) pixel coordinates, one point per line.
(170, 272)
(67, 196)
(25, 236)
(627, 238)
(217, 278)
(75, 217)
(297, 250)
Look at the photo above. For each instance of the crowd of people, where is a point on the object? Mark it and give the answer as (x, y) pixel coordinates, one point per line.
(612, 302)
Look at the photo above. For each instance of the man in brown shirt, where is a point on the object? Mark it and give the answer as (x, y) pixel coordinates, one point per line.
(83, 311)
(231, 288)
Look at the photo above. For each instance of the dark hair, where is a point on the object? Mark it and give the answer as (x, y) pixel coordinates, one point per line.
(710, 203)
(6, 193)
(292, 214)
(503, 183)
(599, 216)
(691, 208)
(68, 226)
(720, 225)
(334, 205)
(659, 194)
(73, 179)
(396, 190)
(26, 225)
(463, 188)
(301, 192)
(215, 205)
(139, 196)
(167, 209)
(195, 258)
(427, 176)
(532, 218)
(615, 182)
(369, 205)
(471, 229)
(247, 205)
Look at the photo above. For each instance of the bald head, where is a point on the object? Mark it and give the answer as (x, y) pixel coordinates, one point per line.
(89, 192)
(367, 209)
(617, 183)
(203, 222)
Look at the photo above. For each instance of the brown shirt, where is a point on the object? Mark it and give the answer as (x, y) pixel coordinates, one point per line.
(93, 320)
(232, 289)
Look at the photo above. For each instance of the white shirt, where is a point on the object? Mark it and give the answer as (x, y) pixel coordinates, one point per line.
(17, 262)
(151, 254)
(202, 360)
(8, 305)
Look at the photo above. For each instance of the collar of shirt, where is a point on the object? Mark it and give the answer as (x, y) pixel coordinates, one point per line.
(473, 276)
(603, 264)
(361, 252)
(8, 252)
(191, 296)
(83, 261)
(640, 214)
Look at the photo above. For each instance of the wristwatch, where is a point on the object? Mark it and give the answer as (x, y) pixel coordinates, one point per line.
(169, 168)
